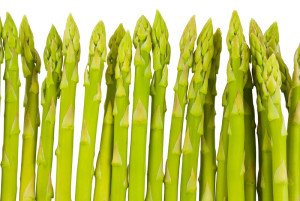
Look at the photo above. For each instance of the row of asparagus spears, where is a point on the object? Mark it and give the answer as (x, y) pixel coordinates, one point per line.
(279, 151)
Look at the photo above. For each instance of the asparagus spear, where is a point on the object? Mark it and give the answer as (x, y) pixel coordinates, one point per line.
(119, 181)
(1, 51)
(103, 166)
(208, 153)
(92, 83)
(293, 140)
(174, 150)
(31, 67)
(271, 39)
(161, 57)
(222, 156)
(11, 111)
(142, 61)
(272, 81)
(50, 92)
(195, 113)
(259, 58)
(250, 147)
(236, 74)
(64, 151)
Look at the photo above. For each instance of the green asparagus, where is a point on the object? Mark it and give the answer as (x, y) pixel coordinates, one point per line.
(92, 82)
(31, 67)
(1, 51)
(208, 152)
(195, 113)
(293, 140)
(11, 111)
(236, 74)
(250, 147)
(103, 166)
(119, 181)
(49, 94)
(161, 57)
(174, 150)
(64, 151)
(271, 39)
(259, 58)
(271, 79)
(142, 61)
(222, 156)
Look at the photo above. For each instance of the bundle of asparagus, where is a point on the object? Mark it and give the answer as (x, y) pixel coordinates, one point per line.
(278, 151)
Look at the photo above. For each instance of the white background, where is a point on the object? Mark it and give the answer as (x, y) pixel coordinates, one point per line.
(41, 14)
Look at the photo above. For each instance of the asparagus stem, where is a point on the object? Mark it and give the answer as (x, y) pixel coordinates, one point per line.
(222, 156)
(31, 67)
(236, 74)
(119, 181)
(11, 111)
(161, 57)
(271, 39)
(208, 152)
(103, 166)
(250, 146)
(174, 150)
(64, 151)
(50, 92)
(259, 57)
(142, 61)
(195, 112)
(293, 138)
(1, 52)
(272, 81)
(92, 82)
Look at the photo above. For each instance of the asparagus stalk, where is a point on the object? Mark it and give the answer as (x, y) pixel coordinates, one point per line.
(236, 74)
(1, 51)
(250, 147)
(142, 61)
(11, 111)
(195, 114)
(174, 150)
(103, 166)
(64, 151)
(119, 181)
(272, 81)
(222, 156)
(293, 138)
(259, 58)
(50, 92)
(161, 57)
(271, 39)
(208, 152)
(31, 67)
(92, 82)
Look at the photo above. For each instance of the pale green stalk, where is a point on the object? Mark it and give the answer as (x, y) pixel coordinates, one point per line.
(9, 162)
(103, 166)
(119, 182)
(195, 112)
(142, 61)
(49, 94)
(259, 58)
(161, 57)
(174, 150)
(31, 67)
(92, 83)
(271, 82)
(1, 52)
(293, 138)
(64, 151)
(236, 75)
(221, 183)
(208, 151)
